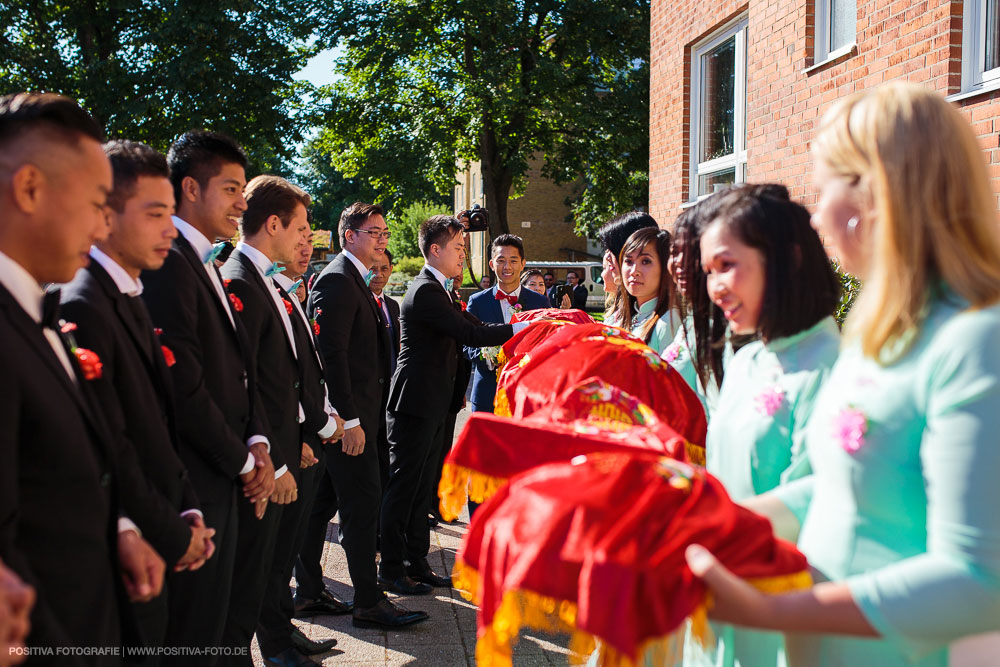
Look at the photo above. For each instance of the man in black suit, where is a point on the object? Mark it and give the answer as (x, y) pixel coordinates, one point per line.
(220, 427)
(579, 291)
(355, 345)
(134, 391)
(60, 482)
(432, 333)
(382, 269)
(274, 224)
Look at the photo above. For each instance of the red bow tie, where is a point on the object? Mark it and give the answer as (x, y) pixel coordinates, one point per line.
(509, 298)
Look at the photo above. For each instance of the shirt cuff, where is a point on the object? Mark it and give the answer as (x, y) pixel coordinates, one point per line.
(280, 471)
(254, 439)
(187, 513)
(248, 466)
(302, 414)
(328, 430)
(126, 524)
(517, 326)
(351, 423)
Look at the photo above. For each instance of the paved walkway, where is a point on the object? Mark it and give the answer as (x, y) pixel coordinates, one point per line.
(448, 638)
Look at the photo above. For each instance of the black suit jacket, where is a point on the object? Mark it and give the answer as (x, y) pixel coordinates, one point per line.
(58, 495)
(214, 394)
(393, 307)
(134, 395)
(433, 331)
(353, 343)
(311, 376)
(271, 358)
(579, 297)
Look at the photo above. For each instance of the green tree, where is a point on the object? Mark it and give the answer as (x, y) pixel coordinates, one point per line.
(405, 226)
(151, 69)
(331, 192)
(427, 82)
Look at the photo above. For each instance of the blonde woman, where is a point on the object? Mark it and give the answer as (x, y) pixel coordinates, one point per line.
(899, 518)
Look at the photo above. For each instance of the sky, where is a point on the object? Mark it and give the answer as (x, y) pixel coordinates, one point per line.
(319, 69)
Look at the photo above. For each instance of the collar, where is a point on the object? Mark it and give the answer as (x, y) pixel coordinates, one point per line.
(441, 278)
(826, 326)
(125, 283)
(22, 286)
(202, 246)
(283, 280)
(261, 261)
(648, 307)
(362, 269)
(379, 296)
(516, 292)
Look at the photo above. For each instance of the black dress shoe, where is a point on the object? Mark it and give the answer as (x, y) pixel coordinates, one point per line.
(404, 586)
(307, 646)
(386, 614)
(289, 658)
(325, 605)
(428, 577)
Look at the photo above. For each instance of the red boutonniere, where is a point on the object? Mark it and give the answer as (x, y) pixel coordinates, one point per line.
(319, 311)
(225, 282)
(288, 306)
(463, 305)
(237, 304)
(90, 363)
(168, 354)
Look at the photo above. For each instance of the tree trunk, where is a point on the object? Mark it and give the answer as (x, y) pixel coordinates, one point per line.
(497, 179)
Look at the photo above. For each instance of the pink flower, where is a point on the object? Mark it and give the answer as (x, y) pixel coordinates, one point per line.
(849, 429)
(672, 352)
(768, 401)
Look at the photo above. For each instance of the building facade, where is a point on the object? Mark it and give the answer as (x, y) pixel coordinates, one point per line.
(540, 216)
(738, 86)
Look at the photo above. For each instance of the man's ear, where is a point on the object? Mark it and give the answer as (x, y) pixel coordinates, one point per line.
(190, 190)
(273, 225)
(27, 187)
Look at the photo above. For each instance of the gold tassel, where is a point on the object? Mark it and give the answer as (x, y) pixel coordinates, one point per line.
(459, 483)
(501, 406)
(695, 453)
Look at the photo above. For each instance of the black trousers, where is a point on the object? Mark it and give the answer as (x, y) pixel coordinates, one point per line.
(254, 557)
(444, 446)
(405, 534)
(274, 628)
(199, 600)
(353, 487)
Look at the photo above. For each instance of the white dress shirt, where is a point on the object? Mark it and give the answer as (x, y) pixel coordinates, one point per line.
(202, 247)
(505, 307)
(441, 278)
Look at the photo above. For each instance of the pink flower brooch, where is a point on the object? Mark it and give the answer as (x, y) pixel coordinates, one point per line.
(768, 401)
(849, 429)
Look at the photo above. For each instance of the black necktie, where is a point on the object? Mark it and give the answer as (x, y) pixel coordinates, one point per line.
(50, 310)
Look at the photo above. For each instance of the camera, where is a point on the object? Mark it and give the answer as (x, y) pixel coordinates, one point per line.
(477, 219)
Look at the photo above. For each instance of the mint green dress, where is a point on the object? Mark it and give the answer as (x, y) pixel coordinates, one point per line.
(756, 442)
(904, 501)
(680, 355)
(663, 331)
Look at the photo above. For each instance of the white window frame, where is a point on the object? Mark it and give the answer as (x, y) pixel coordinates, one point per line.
(823, 50)
(738, 158)
(974, 72)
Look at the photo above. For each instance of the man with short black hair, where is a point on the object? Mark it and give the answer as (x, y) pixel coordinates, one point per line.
(221, 428)
(421, 392)
(61, 478)
(133, 393)
(579, 291)
(355, 346)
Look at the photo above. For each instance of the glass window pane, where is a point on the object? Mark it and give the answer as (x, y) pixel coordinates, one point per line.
(992, 46)
(712, 183)
(718, 100)
(843, 22)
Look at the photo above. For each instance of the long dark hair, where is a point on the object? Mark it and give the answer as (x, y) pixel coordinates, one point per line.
(658, 240)
(800, 287)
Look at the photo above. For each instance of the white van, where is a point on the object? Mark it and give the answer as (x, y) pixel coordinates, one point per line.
(590, 277)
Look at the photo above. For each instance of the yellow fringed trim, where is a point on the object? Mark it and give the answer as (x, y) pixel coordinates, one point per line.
(501, 362)
(459, 483)
(501, 406)
(695, 454)
(525, 609)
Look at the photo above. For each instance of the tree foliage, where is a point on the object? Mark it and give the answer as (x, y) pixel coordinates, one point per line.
(427, 82)
(405, 225)
(151, 69)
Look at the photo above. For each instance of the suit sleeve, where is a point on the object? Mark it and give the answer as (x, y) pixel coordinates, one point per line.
(433, 309)
(334, 304)
(170, 296)
(161, 524)
(253, 319)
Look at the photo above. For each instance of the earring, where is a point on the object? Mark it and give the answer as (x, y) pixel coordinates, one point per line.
(852, 225)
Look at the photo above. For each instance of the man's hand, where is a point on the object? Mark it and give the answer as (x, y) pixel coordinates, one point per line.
(565, 304)
(285, 489)
(308, 458)
(16, 600)
(201, 546)
(354, 441)
(258, 484)
(259, 508)
(142, 567)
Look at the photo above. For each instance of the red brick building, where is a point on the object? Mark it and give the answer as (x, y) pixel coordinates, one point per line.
(737, 87)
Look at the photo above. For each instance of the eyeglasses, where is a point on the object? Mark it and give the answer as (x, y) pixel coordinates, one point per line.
(376, 234)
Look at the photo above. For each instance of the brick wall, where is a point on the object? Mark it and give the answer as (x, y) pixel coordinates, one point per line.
(538, 216)
(920, 41)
